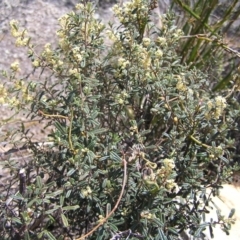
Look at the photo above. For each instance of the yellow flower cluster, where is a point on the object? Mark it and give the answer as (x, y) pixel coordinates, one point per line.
(215, 152)
(170, 184)
(177, 34)
(143, 56)
(15, 66)
(14, 102)
(146, 214)
(49, 56)
(123, 63)
(3, 94)
(146, 41)
(26, 96)
(77, 54)
(36, 63)
(64, 21)
(75, 72)
(86, 192)
(181, 84)
(165, 171)
(21, 36)
(112, 36)
(121, 98)
(131, 11)
(162, 41)
(79, 6)
(47, 53)
(215, 107)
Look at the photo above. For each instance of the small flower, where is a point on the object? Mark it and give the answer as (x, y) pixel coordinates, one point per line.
(162, 172)
(122, 62)
(146, 42)
(181, 86)
(78, 57)
(162, 41)
(60, 34)
(73, 71)
(178, 33)
(220, 102)
(15, 66)
(159, 53)
(89, 190)
(79, 6)
(85, 150)
(63, 21)
(21, 41)
(13, 22)
(210, 105)
(169, 163)
(59, 63)
(14, 102)
(190, 93)
(101, 219)
(120, 101)
(27, 97)
(170, 184)
(146, 214)
(175, 119)
(36, 63)
(14, 28)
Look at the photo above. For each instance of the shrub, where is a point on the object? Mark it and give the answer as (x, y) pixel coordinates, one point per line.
(139, 142)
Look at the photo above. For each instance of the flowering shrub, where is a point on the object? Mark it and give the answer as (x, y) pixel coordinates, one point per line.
(139, 141)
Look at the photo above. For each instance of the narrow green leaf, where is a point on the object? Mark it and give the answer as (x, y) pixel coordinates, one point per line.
(67, 208)
(173, 230)
(71, 171)
(161, 234)
(108, 208)
(60, 128)
(49, 235)
(68, 193)
(64, 220)
(114, 156)
(98, 131)
(105, 181)
(16, 220)
(39, 182)
(61, 200)
(224, 159)
(52, 210)
(211, 231)
(232, 212)
(54, 194)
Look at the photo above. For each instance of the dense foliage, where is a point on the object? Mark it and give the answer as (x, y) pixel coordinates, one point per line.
(139, 142)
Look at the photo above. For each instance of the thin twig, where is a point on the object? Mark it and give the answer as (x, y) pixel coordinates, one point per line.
(102, 221)
(218, 42)
(51, 115)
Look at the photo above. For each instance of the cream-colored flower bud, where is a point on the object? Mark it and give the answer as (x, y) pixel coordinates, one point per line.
(170, 184)
(169, 163)
(175, 119)
(36, 63)
(120, 101)
(162, 41)
(146, 42)
(79, 6)
(159, 53)
(15, 66)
